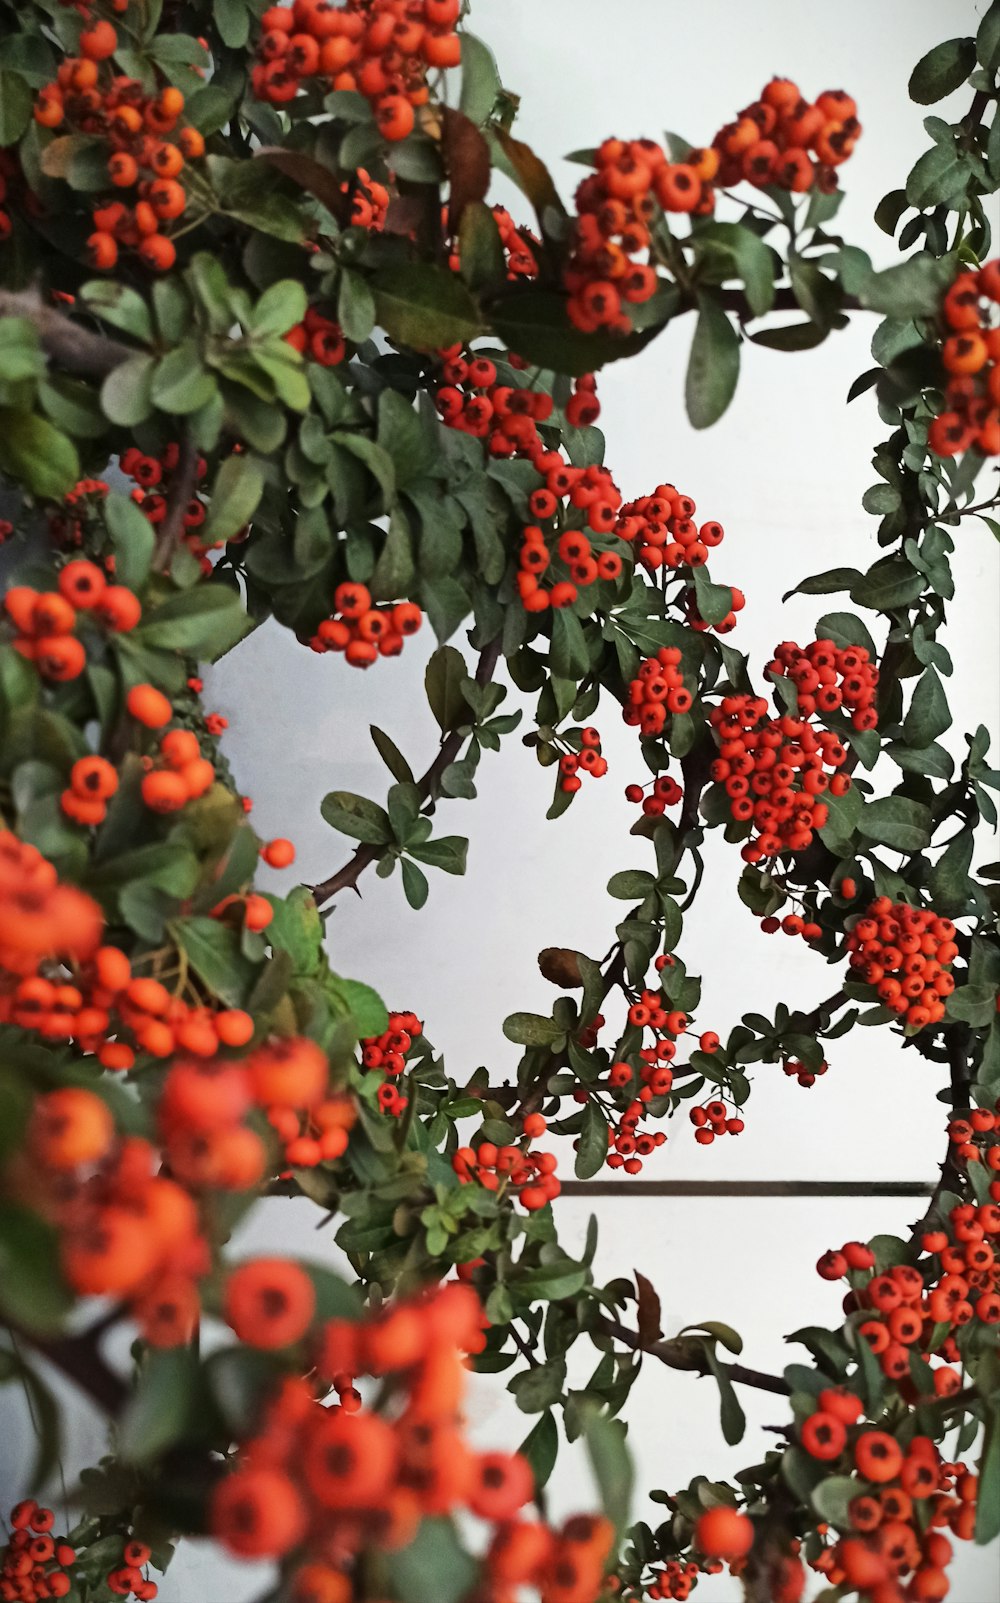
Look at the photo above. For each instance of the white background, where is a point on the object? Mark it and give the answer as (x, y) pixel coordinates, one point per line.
(784, 472)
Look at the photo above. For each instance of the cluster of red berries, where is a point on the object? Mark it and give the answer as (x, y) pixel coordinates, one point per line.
(318, 337)
(655, 1076)
(906, 953)
(673, 1582)
(205, 1101)
(381, 48)
(183, 776)
(896, 1522)
(773, 772)
(34, 1564)
(587, 760)
(976, 1134)
(785, 139)
(792, 924)
(40, 918)
(46, 620)
(470, 399)
(657, 689)
(325, 1482)
(363, 631)
(802, 1073)
(970, 352)
(385, 1054)
(531, 1176)
(616, 206)
(573, 553)
(519, 246)
(135, 124)
(815, 672)
(714, 1119)
(665, 793)
(314, 1135)
(662, 530)
(154, 479)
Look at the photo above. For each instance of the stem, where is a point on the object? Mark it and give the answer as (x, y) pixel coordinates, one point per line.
(352, 870)
(169, 534)
(75, 349)
(78, 1359)
(682, 1355)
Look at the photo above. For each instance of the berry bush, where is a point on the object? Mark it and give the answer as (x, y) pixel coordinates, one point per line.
(269, 351)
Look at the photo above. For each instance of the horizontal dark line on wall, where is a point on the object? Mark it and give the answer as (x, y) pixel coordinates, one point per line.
(746, 1188)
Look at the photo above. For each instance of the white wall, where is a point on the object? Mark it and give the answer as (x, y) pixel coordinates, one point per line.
(784, 471)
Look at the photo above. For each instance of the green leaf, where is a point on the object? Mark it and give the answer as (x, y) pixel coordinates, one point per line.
(37, 454)
(15, 106)
(631, 884)
(531, 1029)
(928, 715)
(239, 485)
(215, 953)
(443, 684)
(569, 658)
(367, 1007)
(281, 306)
(480, 80)
(715, 601)
(447, 852)
(127, 392)
(534, 323)
(731, 1415)
(180, 382)
(832, 1497)
(434, 1568)
(611, 1464)
(730, 1338)
(20, 352)
(120, 306)
(912, 288)
(973, 1004)
(592, 1144)
(403, 438)
(845, 629)
(32, 1291)
(941, 70)
(357, 817)
(898, 822)
(988, 1500)
(753, 260)
(424, 306)
(539, 1387)
(161, 1407)
(541, 1447)
(133, 539)
(988, 38)
(394, 568)
(204, 622)
(713, 365)
(890, 583)
(355, 306)
(480, 252)
(391, 755)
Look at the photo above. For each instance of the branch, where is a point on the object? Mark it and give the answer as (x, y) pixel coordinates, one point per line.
(682, 1355)
(169, 534)
(75, 349)
(78, 1359)
(427, 785)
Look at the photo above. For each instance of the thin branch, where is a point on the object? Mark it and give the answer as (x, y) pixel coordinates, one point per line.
(348, 876)
(682, 1354)
(78, 1359)
(168, 535)
(74, 349)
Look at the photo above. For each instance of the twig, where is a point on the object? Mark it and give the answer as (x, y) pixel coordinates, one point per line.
(681, 1354)
(77, 1358)
(75, 349)
(168, 535)
(348, 876)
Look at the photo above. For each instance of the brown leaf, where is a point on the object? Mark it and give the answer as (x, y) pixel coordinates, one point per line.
(58, 154)
(467, 163)
(536, 180)
(648, 1317)
(310, 175)
(560, 967)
